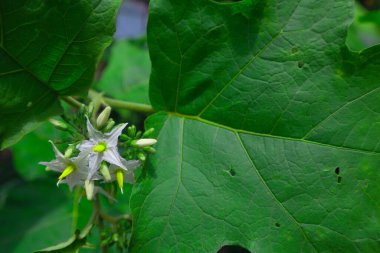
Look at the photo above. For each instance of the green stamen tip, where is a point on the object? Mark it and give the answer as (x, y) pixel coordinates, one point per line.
(101, 147)
(120, 179)
(70, 169)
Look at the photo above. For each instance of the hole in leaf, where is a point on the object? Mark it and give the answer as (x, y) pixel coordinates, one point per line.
(337, 170)
(301, 64)
(233, 249)
(277, 224)
(339, 179)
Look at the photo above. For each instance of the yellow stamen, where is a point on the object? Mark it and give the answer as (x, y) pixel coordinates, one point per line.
(101, 147)
(120, 179)
(70, 169)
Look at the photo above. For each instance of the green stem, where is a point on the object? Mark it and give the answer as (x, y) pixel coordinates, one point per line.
(144, 108)
(73, 102)
(77, 193)
(115, 220)
(97, 208)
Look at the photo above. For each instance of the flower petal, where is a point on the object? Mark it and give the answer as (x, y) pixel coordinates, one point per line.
(58, 153)
(129, 177)
(54, 165)
(82, 160)
(112, 156)
(113, 136)
(95, 160)
(86, 145)
(74, 179)
(93, 133)
(131, 164)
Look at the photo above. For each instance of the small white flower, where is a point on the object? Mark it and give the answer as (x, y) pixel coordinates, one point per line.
(74, 171)
(102, 147)
(124, 174)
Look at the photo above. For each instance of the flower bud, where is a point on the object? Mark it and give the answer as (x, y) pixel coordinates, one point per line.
(131, 131)
(124, 137)
(109, 125)
(150, 150)
(105, 172)
(103, 117)
(143, 143)
(69, 151)
(90, 109)
(141, 157)
(59, 124)
(89, 186)
(148, 132)
(138, 134)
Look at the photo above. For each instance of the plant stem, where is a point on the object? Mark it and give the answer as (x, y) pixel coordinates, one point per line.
(115, 220)
(144, 108)
(73, 102)
(97, 208)
(77, 193)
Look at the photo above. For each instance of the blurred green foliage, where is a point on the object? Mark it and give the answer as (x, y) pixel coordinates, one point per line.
(126, 76)
(34, 215)
(365, 30)
(34, 148)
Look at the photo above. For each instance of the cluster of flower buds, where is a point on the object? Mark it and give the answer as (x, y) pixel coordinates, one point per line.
(97, 158)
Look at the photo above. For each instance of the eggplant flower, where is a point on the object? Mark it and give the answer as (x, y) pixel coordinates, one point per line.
(102, 147)
(74, 171)
(124, 174)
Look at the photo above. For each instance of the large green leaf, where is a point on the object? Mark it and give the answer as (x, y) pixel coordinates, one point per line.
(270, 139)
(47, 49)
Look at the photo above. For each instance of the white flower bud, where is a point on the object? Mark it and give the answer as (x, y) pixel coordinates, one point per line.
(58, 124)
(103, 117)
(89, 186)
(69, 151)
(105, 172)
(145, 142)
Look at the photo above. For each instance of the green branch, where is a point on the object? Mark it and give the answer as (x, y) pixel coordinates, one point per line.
(73, 102)
(115, 103)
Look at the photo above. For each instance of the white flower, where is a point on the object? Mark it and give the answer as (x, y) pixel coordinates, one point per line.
(74, 171)
(102, 147)
(124, 174)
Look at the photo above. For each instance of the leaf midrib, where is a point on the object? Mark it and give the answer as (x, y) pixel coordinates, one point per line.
(291, 216)
(242, 131)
